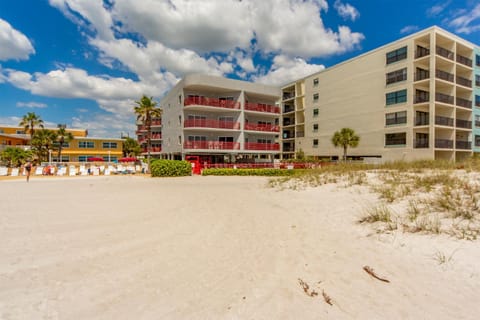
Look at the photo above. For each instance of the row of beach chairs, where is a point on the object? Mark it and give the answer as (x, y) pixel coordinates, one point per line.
(73, 170)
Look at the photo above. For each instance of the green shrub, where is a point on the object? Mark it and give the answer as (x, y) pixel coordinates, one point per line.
(170, 168)
(247, 172)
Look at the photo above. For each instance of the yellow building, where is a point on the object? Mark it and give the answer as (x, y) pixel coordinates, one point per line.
(80, 149)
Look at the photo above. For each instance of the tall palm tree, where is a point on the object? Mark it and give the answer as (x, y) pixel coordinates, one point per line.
(345, 138)
(42, 142)
(63, 136)
(29, 122)
(146, 110)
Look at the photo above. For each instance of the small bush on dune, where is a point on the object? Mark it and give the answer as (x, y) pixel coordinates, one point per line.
(170, 168)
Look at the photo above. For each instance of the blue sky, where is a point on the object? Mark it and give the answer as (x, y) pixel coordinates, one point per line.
(84, 62)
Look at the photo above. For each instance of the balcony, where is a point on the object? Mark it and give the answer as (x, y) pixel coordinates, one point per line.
(464, 60)
(421, 74)
(299, 134)
(464, 82)
(156, 123)
(288, 149)
(211, 123)
(153, 149)
(465, 145)
(443, 144)
(287, 109)
(262, 146)
(464, 103)
(464, 124)
(445, 53)
(157, 136)
(287, 96)
(212, 102)
(444, 75)
(262, 107)
(477, 123)
(420, 144)
(421, 121)
(421, 52)
(421, 97)
(216, 145)
(261, 127)
(444, 121)
(445, 98)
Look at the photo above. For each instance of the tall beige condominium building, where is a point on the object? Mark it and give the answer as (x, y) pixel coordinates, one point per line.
(220, 120)
(415, 98)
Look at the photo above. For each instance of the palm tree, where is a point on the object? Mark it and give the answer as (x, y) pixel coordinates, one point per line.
(42, 142)
(63, 136)
(29, 122)
(131, 148)
(345, 138)
(145, 111)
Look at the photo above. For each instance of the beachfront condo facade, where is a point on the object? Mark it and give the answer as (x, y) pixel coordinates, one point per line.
(80, 149)
(415, 98)
(219, 120)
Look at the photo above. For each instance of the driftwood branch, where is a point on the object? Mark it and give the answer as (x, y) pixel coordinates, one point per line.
(371, 272)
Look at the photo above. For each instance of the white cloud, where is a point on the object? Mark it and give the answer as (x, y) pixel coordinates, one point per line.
(112, 94)
(438, 8)
(285, 70)
(346, 10)
(105, 125)
(14, 44)
(468, 22)
(31, 105)
(409, 29)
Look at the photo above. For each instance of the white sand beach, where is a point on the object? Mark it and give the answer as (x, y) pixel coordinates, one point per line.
(129, 247)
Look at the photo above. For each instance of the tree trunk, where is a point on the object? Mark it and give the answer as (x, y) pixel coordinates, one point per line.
(149, 142)
(345, 153)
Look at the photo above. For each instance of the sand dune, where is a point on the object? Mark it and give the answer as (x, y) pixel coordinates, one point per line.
(218, 248)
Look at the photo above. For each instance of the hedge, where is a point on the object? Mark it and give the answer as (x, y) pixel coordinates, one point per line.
(170, 168)
(247, 172)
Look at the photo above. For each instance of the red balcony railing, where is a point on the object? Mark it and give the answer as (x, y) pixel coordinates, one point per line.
(261, 107)
(212, 102)
(262, 146)
(211, 123)
(156, 136)
(152, 149)
(262, 127)
(220, 145)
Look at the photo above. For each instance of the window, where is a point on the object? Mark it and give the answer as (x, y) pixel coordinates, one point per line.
(179, 140)
(397, 76)
(315, 97)
(83, 158)
(397, 55)
(225, 139)
(315, 112)
(477, 101)
(315, 143)
(477, 80)
(112, 158)
(197, 138)
(396, 97)
(264, 141)
(421, 118)
(20, 132)
(109, 145)
(86, 144)
(315, 82)
(315, 127)
(396, 118)
(477, 141)
(395, 139)
(477, 60)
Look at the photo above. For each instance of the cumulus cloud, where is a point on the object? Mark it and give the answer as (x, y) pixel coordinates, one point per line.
(105, 125)
(468, 21)
(409, 29)
(285, 70)
(14, 44)
(112, 94)
(31, 104)
(346, 10)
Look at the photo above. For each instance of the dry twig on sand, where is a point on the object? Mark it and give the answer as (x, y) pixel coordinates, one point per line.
(306, 288)
(327, 298)
(373, 274)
